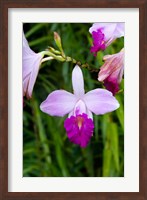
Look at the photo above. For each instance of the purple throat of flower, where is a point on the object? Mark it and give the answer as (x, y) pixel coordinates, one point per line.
(79, 129)
(111, 85)
(98, 42)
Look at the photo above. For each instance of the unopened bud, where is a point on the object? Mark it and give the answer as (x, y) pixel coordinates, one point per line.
(57, 39)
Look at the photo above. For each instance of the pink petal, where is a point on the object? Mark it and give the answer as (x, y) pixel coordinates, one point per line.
(108, 31)
(106, 28)
(25, 84)
(97, 26)
(59, 103)
(112, 64)
(27, 55)
(30, 65)
(25, 42)
(112, 71)
(100, 101)
(77, 81)
(117, 33)
(120, 30)
(34, 74)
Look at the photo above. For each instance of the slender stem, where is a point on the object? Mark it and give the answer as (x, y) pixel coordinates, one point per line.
(56, 57)
(46, 59)
(64, 58)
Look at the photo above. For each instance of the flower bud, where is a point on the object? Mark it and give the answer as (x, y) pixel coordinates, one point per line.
(58, 41)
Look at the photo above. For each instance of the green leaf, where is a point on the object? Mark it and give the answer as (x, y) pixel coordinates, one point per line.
(120, 112)
(111, 149)
(115, 145)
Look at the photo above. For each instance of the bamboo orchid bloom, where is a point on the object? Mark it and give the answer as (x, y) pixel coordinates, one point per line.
(111, 71)
(79, 107)
(104, 34)
(30, 65)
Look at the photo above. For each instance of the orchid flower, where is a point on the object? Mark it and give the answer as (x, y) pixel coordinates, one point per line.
(104, 34)
(112, 71)
(30, 66)
(79, 107)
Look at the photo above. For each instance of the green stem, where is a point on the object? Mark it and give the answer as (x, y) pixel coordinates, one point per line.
(46, 59)
(64, 58)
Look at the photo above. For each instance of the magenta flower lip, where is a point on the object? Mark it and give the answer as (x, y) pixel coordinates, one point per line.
(98, 42)
(79, 129)
(79, 107)
(30, 67)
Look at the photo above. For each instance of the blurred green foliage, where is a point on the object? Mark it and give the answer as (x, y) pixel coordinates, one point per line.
(46, 148)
